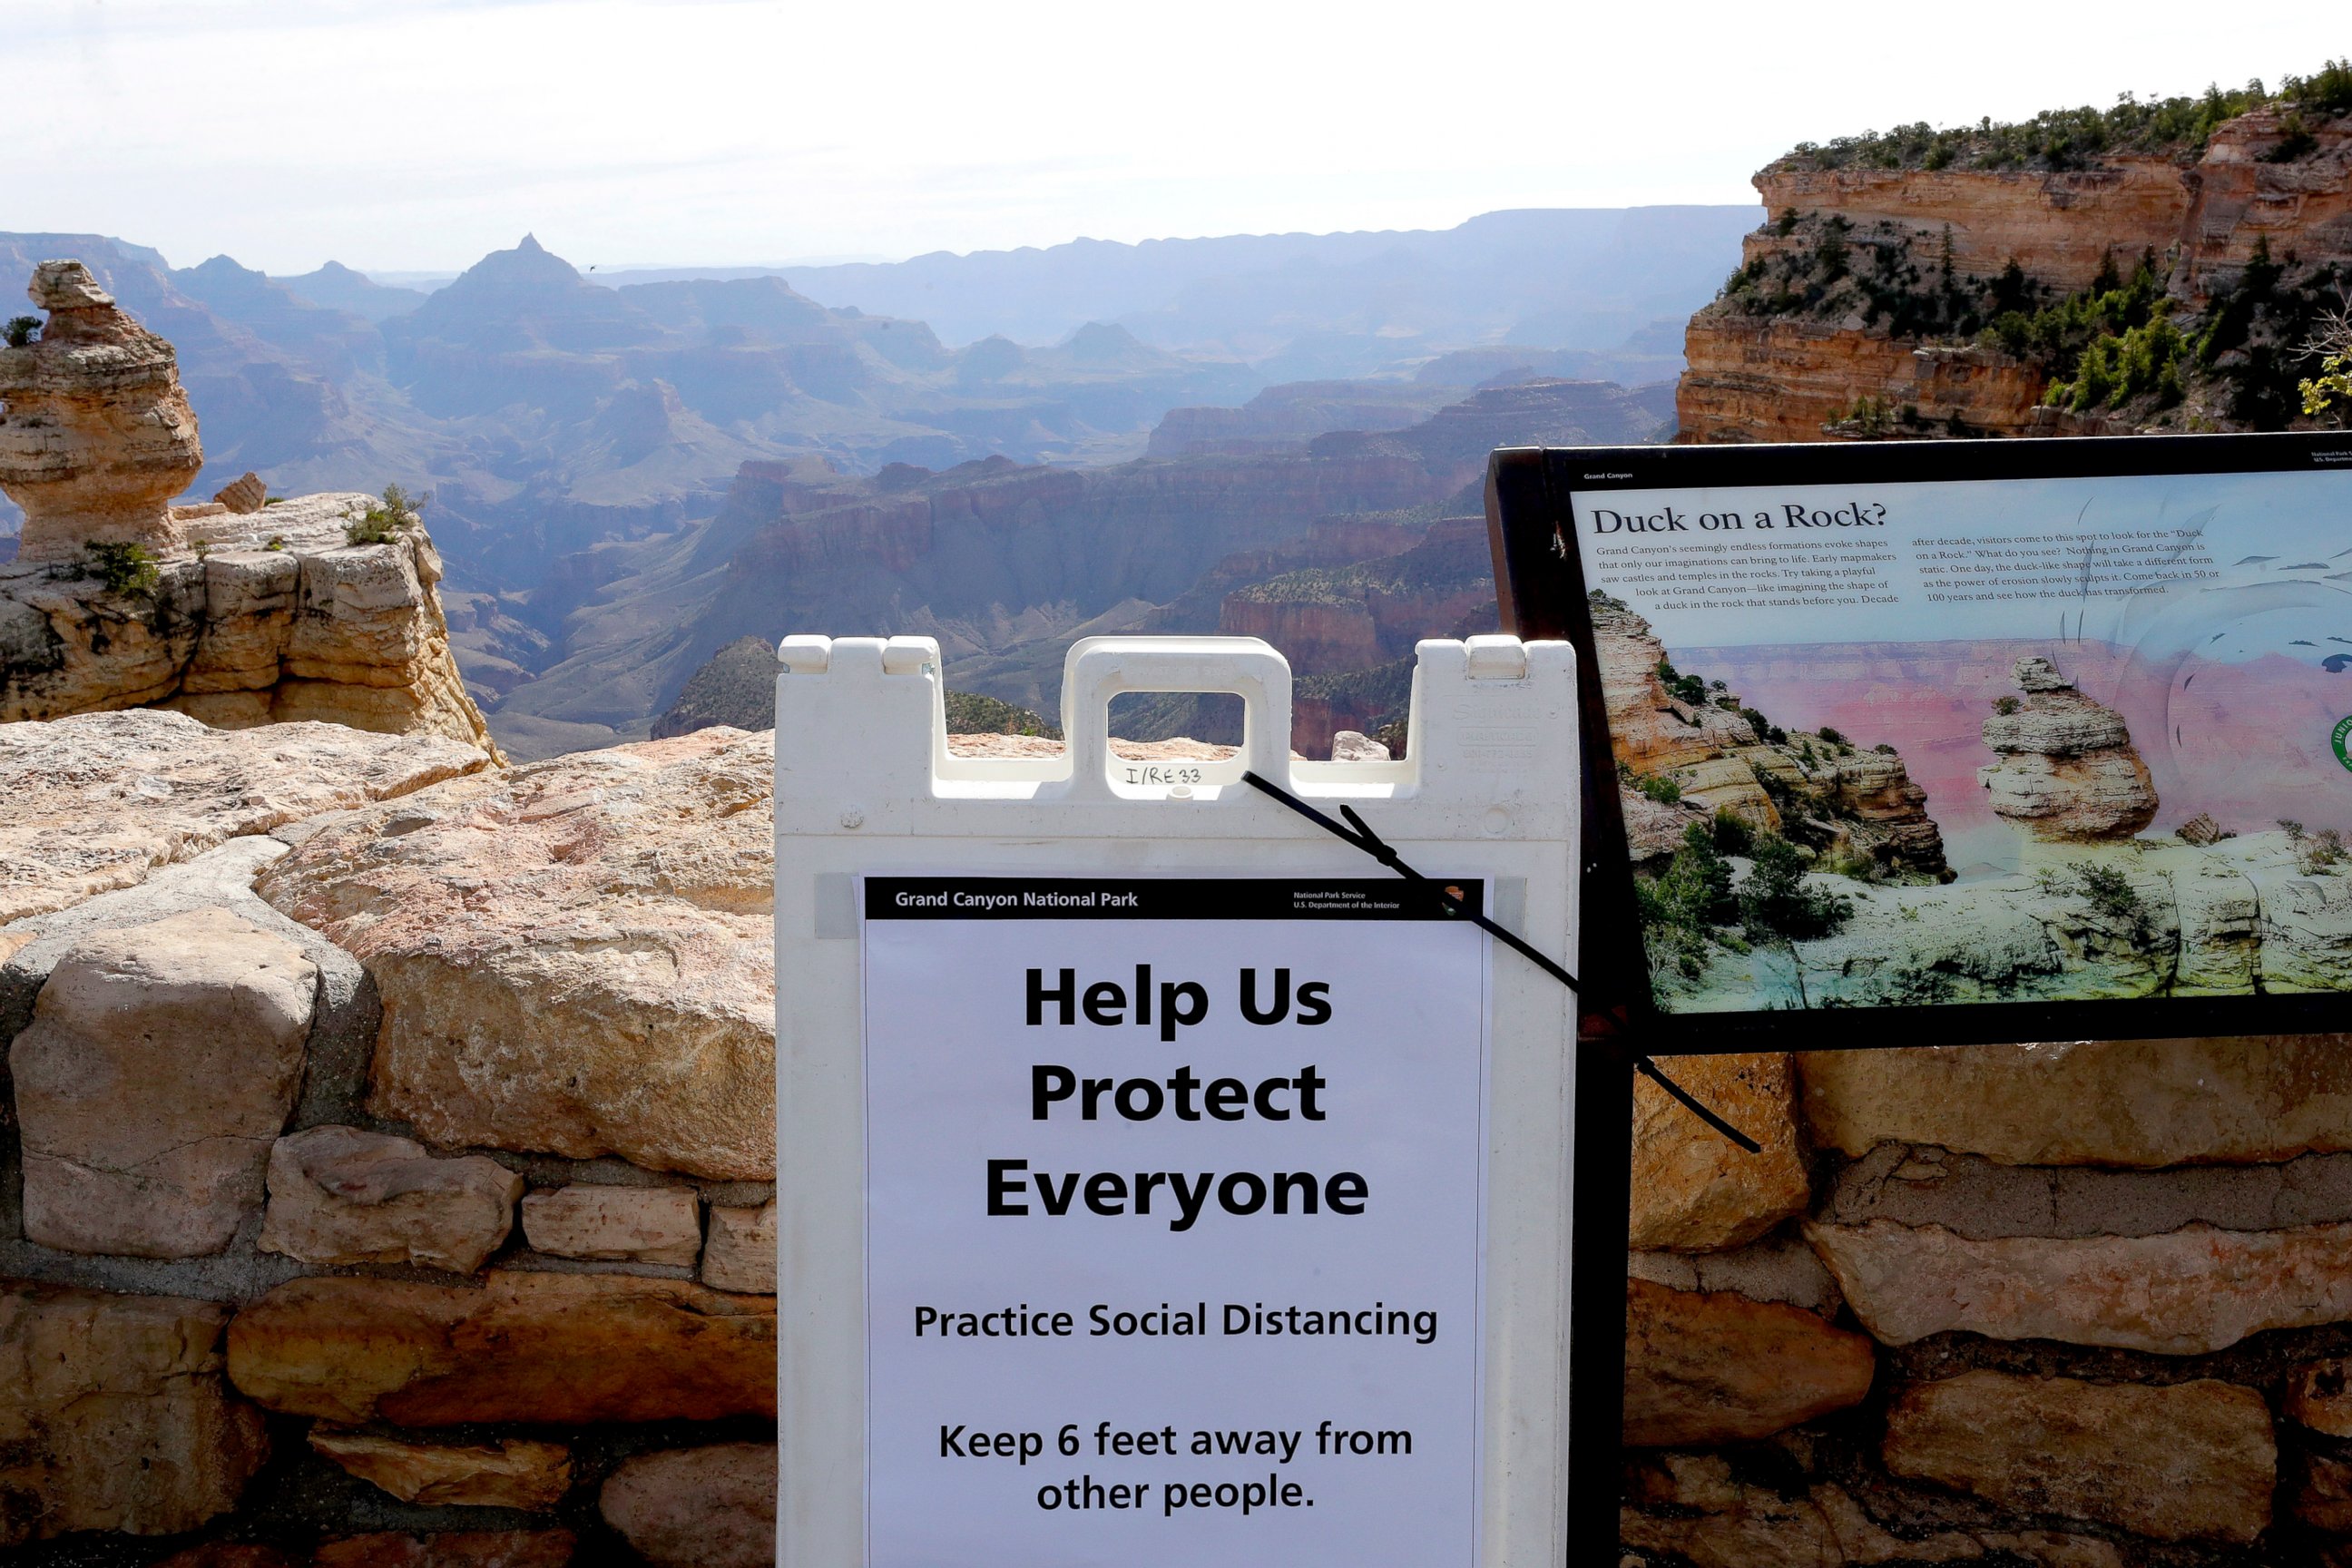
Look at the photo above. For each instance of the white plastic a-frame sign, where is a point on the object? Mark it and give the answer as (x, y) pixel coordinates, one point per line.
(1164, 1182)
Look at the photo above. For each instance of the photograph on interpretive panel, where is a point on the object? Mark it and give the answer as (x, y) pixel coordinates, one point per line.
(2028, 741)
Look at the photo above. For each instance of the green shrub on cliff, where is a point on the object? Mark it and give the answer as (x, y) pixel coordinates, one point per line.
(384, 518)
(125, 569)
(1680, 904)
(2069, 137)
(23, 329)
(970, 713)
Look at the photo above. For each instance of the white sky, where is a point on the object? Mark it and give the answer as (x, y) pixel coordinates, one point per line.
(417, 134)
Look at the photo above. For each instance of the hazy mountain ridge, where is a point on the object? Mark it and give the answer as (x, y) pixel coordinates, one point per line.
(600, 457)
(1004, 563)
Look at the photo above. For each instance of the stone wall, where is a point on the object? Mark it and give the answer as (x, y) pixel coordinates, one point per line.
(2084, 1305)
(386, 1149)
(386, 1157)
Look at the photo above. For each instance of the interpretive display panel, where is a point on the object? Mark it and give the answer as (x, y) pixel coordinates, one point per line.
(1954, 728)
(1174, 1237)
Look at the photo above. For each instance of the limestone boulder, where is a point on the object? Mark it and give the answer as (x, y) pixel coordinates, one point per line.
(342, 1022)
(101, 801)
(454, 1549)
(1694, 1189)
(2144, 1104)
(1721, 1368)
(697, 1508)
(622, 1225)
(243, 494)
(340, 1195)
(160, 1063)
(554, 1349)
(113, 1416)
(575, 957)
(2190, 1461)
(741, 1253)
(2187, 1292)
(513, 1472)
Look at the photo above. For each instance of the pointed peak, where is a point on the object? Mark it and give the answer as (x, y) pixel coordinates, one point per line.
(531, 244)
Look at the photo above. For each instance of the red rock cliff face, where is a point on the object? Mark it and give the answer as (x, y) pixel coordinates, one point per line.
(2059, 226)
(2239, 200)
(2263, 179)
(1783, 379)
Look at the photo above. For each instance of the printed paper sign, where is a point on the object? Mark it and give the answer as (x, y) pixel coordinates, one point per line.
(1173, 1202)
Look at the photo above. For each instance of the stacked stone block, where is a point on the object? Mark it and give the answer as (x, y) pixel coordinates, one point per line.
(2069, 1304)
(255, 1312)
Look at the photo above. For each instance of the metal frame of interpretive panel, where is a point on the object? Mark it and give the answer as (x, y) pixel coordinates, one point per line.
(1534, 499)
(935, 1148)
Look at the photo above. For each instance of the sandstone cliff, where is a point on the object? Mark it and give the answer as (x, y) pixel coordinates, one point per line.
(1981, 281)
(235, 611)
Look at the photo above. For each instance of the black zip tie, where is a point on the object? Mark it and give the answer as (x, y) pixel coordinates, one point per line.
(1358, 832)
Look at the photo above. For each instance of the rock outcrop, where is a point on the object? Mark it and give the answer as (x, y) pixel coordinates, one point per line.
(1688, 754)
(273, 616)
(102, 801)
(96, 437)
(2068, 771)
(1870, 302)
(235, 611)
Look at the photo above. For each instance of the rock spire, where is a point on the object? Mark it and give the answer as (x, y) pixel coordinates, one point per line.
(96, 437)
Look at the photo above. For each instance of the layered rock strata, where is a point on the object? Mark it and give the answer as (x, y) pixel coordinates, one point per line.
(268, 617)
(1818, 360)
(1826, 793)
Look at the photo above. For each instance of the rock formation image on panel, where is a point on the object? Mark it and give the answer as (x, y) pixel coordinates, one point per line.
(1781, 867)
(2068, 771)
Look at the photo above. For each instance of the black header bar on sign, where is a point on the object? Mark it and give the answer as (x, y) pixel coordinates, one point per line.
(1159, 898)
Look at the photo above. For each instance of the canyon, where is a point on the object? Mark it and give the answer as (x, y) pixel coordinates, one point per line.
(595, 450)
